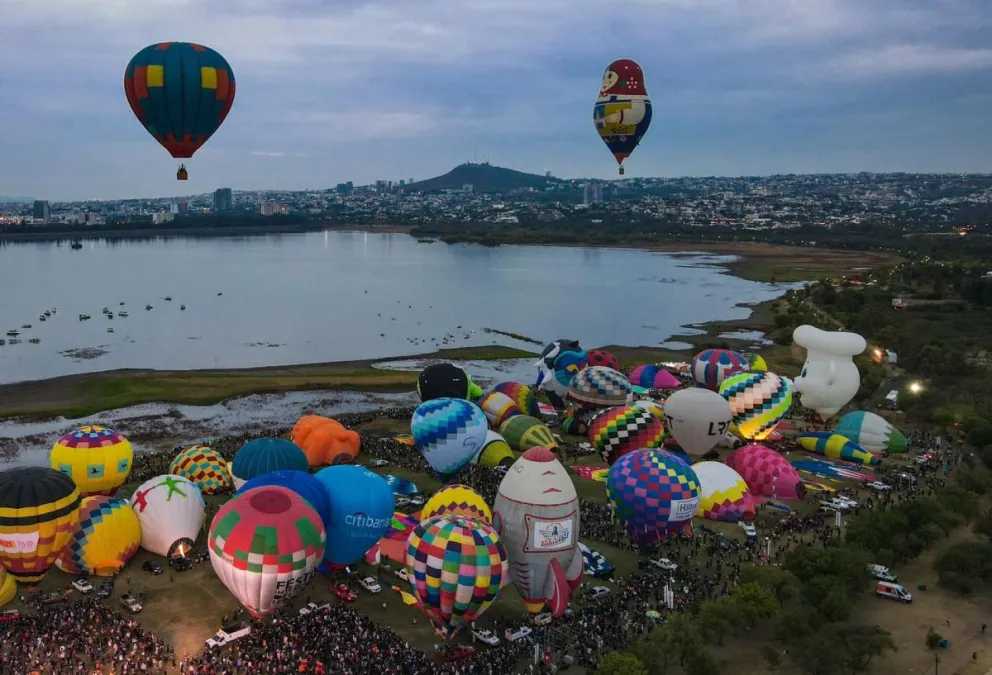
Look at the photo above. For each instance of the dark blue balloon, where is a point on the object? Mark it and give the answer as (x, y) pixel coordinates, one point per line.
(265, 455)
(361, 511)
(299, 482)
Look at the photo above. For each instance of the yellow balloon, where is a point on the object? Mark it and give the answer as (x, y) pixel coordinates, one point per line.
(8, 587)
(104, 540)
(457, 500)
(97, 458)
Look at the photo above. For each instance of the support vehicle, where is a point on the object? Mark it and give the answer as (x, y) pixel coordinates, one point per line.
(229, 633)
(83, 586)
(370, 585)
(887, 589)
(130, 603)
(486, 636)
(344, 593)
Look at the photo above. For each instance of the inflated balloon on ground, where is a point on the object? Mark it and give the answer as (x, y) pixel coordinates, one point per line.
(835, 446)
(758, 401)
(724, 494)
(361, 508)
(457, 500)
(205, 468)
(766, 472)
(446, 380)
(265, 455)
(560, 361)
(8, 587)
(495, 451)
(97, 458)
(599, 387)
(498, 408)
(170, 509)
(711, 367)
(617, 431)
(830, 378)
(872, 432)
(698, 419)
(523, 432)
(325, 441)
(40, 509)
(104, 539)
(522, 395)
(265, 545)
(652, 376)
(449, 432)
(303, 484)
(603, 358)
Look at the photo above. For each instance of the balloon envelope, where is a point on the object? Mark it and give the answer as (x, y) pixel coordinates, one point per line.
(303, 484)
(444, 380)
(495, 451)
(181, 93)
(205, 468)
(711, 367)
(758, 401)
(325, 441)
(361, 509)
(830, 378)
(766, 472)
(170, 509)
(265, 545)
(829, 444)
(724, 494)
(265, 455)
(872, 432)
(457, 569)
(498, 408)
(523, 432)
(97, 458)
(698, 419)
(599, 387)
(449, 432)
(40, 508)
(652, 376)
(457, 500)
(522, 395)
(617, 431)
(104, 540)
(622, 113)
(603, 358)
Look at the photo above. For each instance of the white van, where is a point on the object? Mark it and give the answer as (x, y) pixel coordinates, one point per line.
(887, 589)
(882, 573)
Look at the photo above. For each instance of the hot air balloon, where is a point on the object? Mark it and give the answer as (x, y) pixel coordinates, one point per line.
(446, 380)
(265, 545)
(449, 432)
(205, 468)
(652, 376)
(575, 420)
(653, 407)
(756, 362)
(617, 431)
(758, 401)
(39, 509)
(495, 451)
(697, 419)
(325, 441)
(170, 509)
(653, 493)
(457, 568)
(598, 387)
(303, 484)
(829, 444)
(181, 92)
(724, 494)
(522, 395)
(623, 110)
(830, 378)
(457, 500)
(603, 358)
(361, 509)
(711, 367)
(498, 408)
(766, 472)
(104, 540)
(559, 363)
(523, 432)
(265, 455)
(8, 587)
(872, 432)
(536, 512)
(97, 458)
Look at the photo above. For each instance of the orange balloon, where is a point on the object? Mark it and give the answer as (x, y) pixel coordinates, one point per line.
(325, 441)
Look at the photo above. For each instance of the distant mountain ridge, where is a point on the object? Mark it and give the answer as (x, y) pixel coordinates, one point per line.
(13, 200)
(482, 177)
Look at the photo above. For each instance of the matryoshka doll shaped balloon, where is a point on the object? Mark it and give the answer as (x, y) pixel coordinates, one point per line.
(622, 113)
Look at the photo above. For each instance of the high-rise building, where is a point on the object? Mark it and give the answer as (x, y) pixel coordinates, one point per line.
(274, 209)
(592, 193)
(597, 192)
(183, 208)
(222, 200)
(42, 211)
(344, 189)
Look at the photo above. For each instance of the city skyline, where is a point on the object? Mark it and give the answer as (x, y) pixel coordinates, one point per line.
(370, 90)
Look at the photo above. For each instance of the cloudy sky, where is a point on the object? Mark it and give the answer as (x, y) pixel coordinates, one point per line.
(337, 90)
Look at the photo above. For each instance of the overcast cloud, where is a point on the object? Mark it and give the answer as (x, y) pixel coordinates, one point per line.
(337, 90)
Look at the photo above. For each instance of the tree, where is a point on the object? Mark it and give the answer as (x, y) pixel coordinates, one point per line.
(620, 663)
(716, 618)
(983, 525)
(860, 644)
(701, 662)
(754, 602)
(779, 582)
(958, 500)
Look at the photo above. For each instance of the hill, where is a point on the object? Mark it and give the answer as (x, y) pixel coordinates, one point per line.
(15, 200)
(482, 177)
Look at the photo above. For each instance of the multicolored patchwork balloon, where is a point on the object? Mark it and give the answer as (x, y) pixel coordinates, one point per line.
(599, 387)
(653, 493)
(711, 367)
(522, 395)
(97, 458)
(205, 468)
(724, 495)
(104, 540)
(457, 500)
(265, 545)
(758, 401)
(457, 568)
(449, 432)
(498, 408)
(653, 376)
(617, 431)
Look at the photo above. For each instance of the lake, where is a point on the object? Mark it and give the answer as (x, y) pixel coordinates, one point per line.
(335, 296)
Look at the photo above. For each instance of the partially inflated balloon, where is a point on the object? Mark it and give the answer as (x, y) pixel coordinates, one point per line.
(181, 92)
(622, 113)
(495, 452)
(303, 484)
(325, 441)
(697, 419)
(766, 472)
(449, 432)
(599, 387)
(872, 432)
(265, 455)
(446, 380)
(603, 358)
(265, 545)
(457, 568)
(8, 587)
(361, 506)
(498, 408)
(523, 432)
(829, 444)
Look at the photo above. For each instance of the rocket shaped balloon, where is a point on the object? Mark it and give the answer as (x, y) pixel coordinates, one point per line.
(622, 113)
(536, 514)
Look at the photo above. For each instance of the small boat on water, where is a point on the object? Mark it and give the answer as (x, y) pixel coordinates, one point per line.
(123, 314)
(147, 307)
(110, 315)
(122, 304)
(168, 299)
(182, 308)
(14, 342)
(48, 312)
(35, 341)
(13, 333)
(76, 246)
(84, 317)
(25, 326)
(2, 342)
(42, 318)
(110, 330)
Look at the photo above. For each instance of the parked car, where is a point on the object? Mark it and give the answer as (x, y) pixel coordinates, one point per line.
(370, 585)
(9, 615)
(455, 652)
(402, 501)
(312, 607)
(665, 564)
(344, 593)
(882, 573)
(598, 593)
(416, 500)
(843, 499)
(486, 636)
(878, 486)
(749, 529)
(83, 586)
(229, 634)
(130, 603)
(401, 573)
(887, 589)
(514, 634)
(377, 463)
(152, 567)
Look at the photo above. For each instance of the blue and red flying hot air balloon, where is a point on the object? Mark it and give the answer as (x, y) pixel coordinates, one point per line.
(181, 92)
(623, 110)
